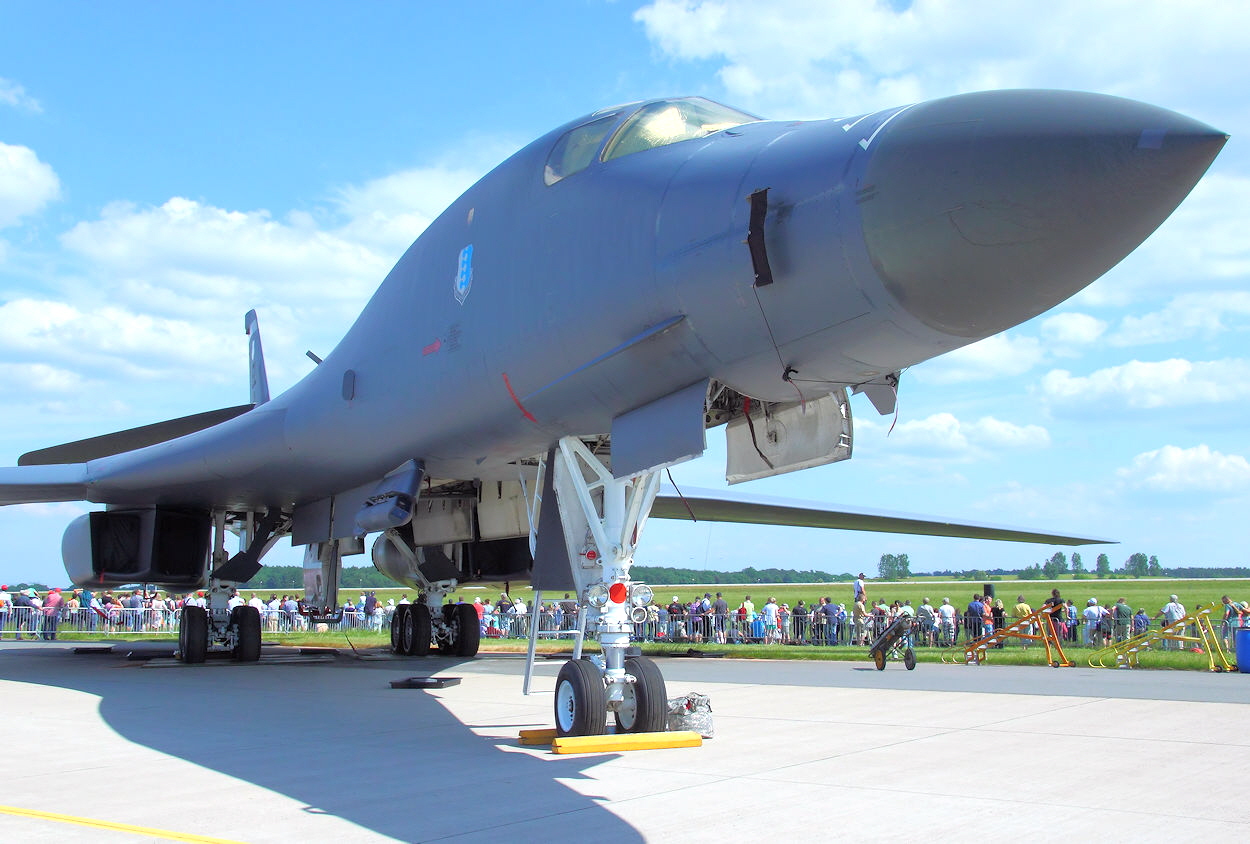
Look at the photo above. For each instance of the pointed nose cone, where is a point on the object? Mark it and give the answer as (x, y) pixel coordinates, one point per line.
(984, 210)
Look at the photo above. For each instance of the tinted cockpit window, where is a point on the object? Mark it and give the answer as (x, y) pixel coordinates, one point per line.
(576, 149)
(670, 121)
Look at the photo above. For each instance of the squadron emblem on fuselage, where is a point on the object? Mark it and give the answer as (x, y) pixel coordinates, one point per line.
(464, 274)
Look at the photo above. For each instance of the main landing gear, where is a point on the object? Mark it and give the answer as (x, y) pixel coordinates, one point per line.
(219, 626)
(602, 518)
(414, 632)
(236, 629)
(454, 629)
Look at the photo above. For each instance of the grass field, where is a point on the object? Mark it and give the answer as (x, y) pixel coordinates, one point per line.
(362, 640)
(1147, 593)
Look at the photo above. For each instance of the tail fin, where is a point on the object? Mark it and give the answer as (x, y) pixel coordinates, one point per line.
(256, 360)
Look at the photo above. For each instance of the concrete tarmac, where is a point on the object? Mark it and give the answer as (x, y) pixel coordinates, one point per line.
(327, 750)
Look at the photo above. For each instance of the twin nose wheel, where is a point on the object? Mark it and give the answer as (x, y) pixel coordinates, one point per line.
(581, 700)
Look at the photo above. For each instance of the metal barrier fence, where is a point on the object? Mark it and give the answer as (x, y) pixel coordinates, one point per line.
(661, 626)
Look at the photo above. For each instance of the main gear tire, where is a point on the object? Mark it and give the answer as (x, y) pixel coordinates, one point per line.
(246, 623)
(193, 635)
(581, 702)
(645, 706)
(398, 619)
(468, 632)
(418, 631)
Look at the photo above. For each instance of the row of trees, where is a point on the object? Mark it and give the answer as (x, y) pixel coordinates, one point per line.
(292, 577)
(897, 567)
(675, 576)
(1137, 565)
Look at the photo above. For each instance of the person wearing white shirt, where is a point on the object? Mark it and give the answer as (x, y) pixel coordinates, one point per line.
(1172, 612)
(258, 604)
(770, 614)
(946, 613)
(1093, 616)
(158, 611)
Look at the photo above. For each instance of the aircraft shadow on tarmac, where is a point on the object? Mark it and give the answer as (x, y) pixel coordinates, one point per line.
(334, 736)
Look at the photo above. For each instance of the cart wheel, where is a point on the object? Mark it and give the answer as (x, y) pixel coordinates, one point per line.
(1055, 664)
(878, 659)
(909, 659)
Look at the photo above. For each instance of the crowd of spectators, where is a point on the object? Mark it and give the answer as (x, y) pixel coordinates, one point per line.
(823, 622)
(707, 619)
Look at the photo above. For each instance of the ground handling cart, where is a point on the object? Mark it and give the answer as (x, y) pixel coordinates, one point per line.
(894, 644)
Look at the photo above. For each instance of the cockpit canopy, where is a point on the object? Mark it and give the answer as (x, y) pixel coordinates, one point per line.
(654, 124)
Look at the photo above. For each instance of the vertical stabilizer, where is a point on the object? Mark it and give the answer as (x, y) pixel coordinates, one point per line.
(256, 360)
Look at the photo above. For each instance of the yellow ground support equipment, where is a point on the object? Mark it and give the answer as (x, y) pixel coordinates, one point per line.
(626, 741)
(610, 743)
(539, 737)
(1126, 654)
(1036, 626)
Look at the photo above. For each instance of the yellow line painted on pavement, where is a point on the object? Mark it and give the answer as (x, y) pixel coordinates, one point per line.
(116, 827)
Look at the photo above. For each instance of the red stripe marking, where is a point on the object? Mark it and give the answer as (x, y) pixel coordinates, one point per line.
(517, 401)
(432, 348)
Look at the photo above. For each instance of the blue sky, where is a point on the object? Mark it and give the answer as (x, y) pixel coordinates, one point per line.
(166, 167)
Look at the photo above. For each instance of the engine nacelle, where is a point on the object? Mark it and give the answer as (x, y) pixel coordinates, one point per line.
(501, 559)
(167, 548)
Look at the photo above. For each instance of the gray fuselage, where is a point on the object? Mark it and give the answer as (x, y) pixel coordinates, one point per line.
(892, 238)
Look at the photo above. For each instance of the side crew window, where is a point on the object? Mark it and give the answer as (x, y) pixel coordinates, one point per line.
(670, 121)
(576, 149)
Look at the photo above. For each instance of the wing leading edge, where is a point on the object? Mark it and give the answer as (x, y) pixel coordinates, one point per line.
(716, 506)
(43, 484)
(106, 445)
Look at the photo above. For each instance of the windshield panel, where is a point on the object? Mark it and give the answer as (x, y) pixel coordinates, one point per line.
(667, 122)
(576, 149)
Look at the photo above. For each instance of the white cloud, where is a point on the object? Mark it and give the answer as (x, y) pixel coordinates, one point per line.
(999, 356)
(1202, 243)
(180, 275)
(1140, 384)
(995, 433)
(815, 58)
(161, 287)
(1197, 469)
(1065, 333)
(12, 94)
(40, 377)
(26, 183)
(196, 248)
(1061, 508)
(388, 213)
(1191, 315)
(108, 339)
(942, 435)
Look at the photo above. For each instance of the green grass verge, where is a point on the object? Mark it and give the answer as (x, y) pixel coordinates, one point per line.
(1011, 655)
(1146, 593)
